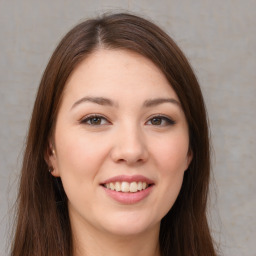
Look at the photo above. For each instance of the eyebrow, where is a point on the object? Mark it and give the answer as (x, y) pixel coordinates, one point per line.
(107, 102)
(158, 101)
(98, 100)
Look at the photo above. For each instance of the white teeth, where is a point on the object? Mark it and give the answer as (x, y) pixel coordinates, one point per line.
(112, 186)
(133, 187)
(118, 186)
(139, 185)
(126, 186)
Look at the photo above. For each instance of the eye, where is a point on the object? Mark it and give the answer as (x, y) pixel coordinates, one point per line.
(95, 120)
(160, 121)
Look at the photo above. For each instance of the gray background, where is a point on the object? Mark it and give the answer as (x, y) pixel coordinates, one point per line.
(219, 38)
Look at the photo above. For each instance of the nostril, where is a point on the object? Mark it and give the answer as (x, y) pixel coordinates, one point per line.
(130, 150)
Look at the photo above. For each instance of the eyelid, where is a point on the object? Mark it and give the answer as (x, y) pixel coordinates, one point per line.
(168, 119)
(84, 119)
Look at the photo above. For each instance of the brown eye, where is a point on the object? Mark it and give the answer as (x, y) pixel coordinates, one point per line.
(156, 121)
(95, 120)
(160, 121)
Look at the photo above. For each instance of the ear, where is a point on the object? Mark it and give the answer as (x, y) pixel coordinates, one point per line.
(189, 157)
(50, 158)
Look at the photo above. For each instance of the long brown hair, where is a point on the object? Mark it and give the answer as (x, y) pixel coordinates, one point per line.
(43, 226)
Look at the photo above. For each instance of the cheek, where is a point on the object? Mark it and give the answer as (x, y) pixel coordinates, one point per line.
(78, 153)
(172, 163)
(171, 155)
(78, 162)
(171, 158)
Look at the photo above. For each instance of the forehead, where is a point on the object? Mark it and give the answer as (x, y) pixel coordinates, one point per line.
(120, 73)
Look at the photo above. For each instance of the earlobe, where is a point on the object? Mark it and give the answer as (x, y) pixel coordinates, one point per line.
(189, 158)
(51, 160)
(48, 154)
(54, 172)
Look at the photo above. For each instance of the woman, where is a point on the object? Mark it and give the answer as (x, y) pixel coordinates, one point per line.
(117, 156)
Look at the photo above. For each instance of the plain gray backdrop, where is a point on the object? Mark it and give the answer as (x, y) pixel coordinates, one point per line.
(219, 39)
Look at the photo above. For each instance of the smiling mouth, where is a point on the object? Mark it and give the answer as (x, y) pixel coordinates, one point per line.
(125, 187)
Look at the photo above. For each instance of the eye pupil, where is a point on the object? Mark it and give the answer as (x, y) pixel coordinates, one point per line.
(156, 121)
(95, 120)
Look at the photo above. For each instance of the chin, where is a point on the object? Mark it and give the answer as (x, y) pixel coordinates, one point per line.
(130, 224)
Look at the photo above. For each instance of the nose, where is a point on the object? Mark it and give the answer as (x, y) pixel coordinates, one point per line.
(129, 147)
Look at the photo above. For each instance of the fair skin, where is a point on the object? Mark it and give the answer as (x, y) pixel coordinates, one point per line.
(120, 126)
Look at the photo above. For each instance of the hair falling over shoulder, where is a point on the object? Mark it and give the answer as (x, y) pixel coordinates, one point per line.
(42, 220)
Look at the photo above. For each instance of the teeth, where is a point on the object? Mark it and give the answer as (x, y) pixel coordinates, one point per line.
(112, 186)
(139, 187)
(133, 187)
(126, 186)
(118, 186)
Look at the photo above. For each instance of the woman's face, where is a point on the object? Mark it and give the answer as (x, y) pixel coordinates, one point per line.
(121, 144)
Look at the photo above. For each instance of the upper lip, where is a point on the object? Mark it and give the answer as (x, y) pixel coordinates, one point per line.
(128, 178)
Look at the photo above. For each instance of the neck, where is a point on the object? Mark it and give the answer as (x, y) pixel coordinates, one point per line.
(91, 242)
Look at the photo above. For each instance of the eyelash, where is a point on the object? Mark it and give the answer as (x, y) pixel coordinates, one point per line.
(168, 121)
(162, 119)
(86, 119)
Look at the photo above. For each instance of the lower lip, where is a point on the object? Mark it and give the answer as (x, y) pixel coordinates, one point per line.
(128, 197)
